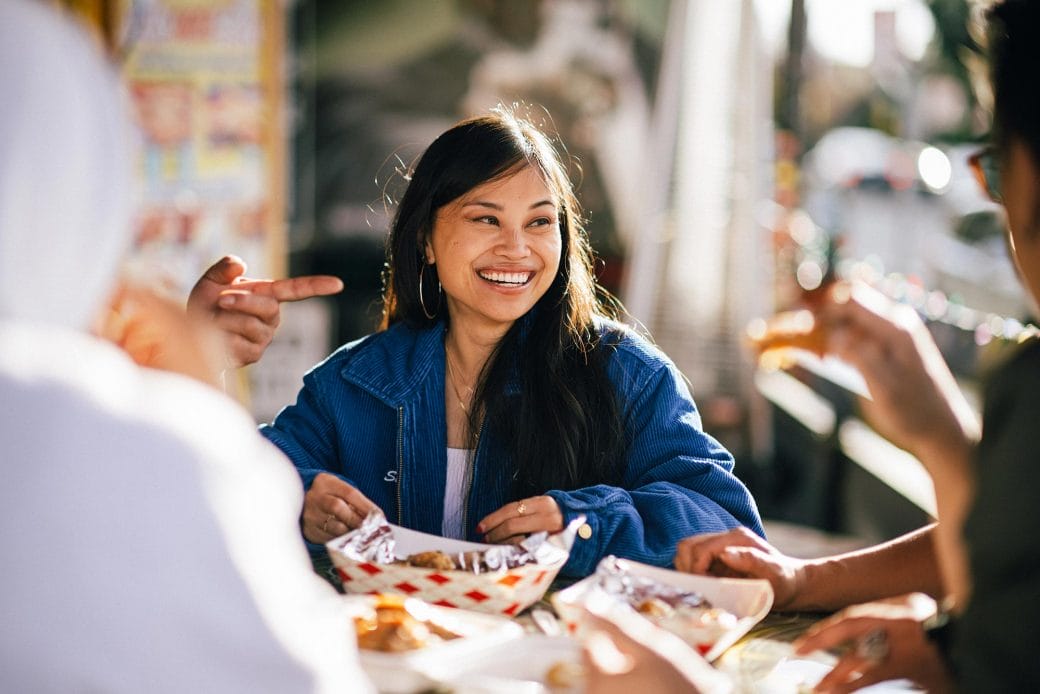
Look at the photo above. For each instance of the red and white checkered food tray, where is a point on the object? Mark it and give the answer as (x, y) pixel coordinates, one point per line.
(748, 599)
(505, 592)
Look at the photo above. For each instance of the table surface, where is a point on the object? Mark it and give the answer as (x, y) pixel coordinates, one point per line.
(761, 661)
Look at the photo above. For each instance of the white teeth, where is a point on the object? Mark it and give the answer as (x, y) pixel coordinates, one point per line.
(507, 277)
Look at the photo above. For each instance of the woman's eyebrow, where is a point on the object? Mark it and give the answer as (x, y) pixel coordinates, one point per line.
(496, 206)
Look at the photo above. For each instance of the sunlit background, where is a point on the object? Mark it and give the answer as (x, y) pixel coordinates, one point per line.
(730, 155)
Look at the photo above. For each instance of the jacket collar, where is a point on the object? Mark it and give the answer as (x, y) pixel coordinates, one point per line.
(394, 363)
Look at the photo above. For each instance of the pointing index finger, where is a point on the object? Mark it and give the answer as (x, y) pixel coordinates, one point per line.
(294, 288)
(299, 288)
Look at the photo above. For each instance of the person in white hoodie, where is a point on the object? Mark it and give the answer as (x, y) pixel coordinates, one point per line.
(149, 535)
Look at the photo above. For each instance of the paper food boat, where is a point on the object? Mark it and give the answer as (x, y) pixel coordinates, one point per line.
(420, 669)
(506, 591)
(522, 666)
(748, 599)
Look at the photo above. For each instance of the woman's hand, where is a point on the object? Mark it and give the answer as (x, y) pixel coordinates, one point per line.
(516, 520)
(740, 553)
(331, 507)
(887, 641)
(247, 311)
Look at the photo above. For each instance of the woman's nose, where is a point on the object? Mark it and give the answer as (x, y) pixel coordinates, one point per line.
(513, 243)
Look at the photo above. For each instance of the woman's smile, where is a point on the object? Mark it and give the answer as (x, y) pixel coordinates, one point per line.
(506, 278)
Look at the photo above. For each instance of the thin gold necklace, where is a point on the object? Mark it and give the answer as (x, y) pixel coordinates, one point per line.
(452, 379)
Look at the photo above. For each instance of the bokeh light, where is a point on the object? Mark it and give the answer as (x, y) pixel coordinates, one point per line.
(934, 168)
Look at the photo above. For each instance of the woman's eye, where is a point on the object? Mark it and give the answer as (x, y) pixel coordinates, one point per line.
(543, 222)
(487, 219)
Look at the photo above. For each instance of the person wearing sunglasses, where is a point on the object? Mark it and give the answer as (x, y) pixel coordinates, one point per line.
(982, 559)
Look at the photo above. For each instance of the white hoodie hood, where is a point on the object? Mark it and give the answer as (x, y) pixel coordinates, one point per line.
(65, 177)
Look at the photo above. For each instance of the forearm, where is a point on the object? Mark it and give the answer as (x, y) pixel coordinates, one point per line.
(903, 565)
(952, 474)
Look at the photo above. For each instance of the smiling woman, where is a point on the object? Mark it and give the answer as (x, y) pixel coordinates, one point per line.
(501, 396)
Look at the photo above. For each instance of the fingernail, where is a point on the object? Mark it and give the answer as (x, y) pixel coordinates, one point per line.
(226, 301)
(480, 528)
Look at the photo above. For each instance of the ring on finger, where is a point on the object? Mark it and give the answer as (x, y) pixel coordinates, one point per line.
(521, 508)
(873, 646)
(325, 525)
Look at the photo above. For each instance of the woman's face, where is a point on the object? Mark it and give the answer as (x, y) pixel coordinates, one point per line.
(497, 249)
(1020, 182)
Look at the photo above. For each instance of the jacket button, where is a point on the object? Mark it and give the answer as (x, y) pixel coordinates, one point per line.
(585, 531)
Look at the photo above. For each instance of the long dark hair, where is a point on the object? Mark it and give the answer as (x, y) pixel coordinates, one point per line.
(544, 392)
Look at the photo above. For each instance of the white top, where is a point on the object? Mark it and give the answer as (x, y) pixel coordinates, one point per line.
(455, 486)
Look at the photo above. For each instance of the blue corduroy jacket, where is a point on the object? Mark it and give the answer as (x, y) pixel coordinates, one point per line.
(373, 414)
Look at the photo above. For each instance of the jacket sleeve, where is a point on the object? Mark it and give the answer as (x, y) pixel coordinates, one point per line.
(306, 432)
(678, 481)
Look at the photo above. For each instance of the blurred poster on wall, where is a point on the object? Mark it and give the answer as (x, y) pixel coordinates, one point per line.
(204, 82)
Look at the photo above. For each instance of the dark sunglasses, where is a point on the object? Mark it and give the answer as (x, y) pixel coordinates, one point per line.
(986, 168)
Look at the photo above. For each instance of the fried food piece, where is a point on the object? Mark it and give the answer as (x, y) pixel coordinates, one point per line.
(789, 329)
(391, 630)
(432, 560)
(391, 626)
(654, 607)
(565, 674)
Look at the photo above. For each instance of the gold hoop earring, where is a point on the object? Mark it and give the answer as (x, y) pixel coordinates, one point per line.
(422, 303)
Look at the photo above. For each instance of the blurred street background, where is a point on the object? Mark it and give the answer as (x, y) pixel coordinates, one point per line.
(731, 154)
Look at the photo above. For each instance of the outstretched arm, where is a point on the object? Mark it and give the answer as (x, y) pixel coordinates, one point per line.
(916, 403)
(903, 565)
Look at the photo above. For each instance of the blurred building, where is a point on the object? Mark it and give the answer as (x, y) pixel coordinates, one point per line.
(700, 264)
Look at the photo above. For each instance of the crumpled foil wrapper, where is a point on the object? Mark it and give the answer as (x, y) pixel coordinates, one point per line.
(373, 541)
(635, 590)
